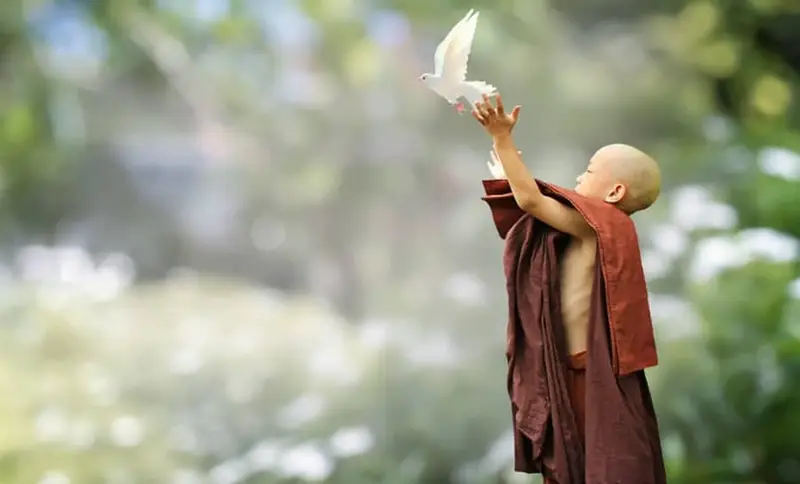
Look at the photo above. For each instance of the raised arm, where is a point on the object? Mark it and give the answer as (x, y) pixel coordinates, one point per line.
(531, 199)
(523, 187)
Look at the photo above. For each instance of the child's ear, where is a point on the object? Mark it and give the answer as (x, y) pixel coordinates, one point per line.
(616, 194)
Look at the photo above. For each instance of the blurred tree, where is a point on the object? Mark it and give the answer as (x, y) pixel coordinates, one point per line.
(357, 183)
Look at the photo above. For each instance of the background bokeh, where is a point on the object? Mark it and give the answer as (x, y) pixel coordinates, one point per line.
(241, 244)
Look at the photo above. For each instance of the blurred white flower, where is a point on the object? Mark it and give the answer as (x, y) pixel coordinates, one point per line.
(53, 477)
(127, 431)
(351, 441)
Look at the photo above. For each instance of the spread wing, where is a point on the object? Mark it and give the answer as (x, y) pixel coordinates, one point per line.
(456, 56)
(441, 49)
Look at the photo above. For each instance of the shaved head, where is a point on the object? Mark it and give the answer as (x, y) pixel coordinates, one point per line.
(637, 171)
(623, 175)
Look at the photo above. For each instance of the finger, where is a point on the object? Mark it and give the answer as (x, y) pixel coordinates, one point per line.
(501, 110)
(488, 103)
(477, 116)
(515, 113)
(482, 110)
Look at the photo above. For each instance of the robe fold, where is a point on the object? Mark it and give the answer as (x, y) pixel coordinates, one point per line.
(621, 443)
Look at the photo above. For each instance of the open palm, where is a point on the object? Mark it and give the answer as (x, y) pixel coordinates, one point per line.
(494, 118)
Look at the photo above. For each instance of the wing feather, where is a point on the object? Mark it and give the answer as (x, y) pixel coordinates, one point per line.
(456, 56)
(441, 49)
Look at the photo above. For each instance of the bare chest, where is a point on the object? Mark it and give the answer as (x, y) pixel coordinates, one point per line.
(577, 266)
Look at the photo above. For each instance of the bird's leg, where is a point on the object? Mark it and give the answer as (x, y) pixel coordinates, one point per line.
(459, 106)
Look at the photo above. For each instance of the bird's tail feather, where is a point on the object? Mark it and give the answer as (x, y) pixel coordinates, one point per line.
(482, 87)
(474, 90)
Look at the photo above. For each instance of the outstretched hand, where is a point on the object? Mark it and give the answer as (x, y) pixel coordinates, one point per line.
(494, 118)
(496, 166)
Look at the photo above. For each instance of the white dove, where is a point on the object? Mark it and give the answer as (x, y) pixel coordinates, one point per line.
(450, 66)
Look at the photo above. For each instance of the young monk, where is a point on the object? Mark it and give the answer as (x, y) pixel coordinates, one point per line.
(580, 333)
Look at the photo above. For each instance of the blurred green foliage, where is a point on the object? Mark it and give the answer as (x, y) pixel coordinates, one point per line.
(192, 381)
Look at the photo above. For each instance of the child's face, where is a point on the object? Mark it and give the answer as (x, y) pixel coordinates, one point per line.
(599, 181)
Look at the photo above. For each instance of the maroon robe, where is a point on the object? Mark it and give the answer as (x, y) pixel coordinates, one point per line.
(622, 444)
